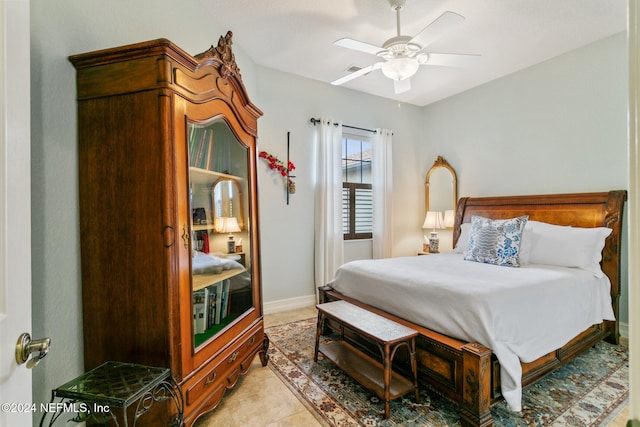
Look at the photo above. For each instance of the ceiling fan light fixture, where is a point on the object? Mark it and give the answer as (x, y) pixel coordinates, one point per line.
(400, 68)
(401, 56)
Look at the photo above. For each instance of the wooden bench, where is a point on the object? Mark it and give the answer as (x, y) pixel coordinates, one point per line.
(376, 376)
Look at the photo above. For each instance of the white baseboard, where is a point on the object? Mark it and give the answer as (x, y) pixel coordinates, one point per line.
(289, 304)
(624, 330)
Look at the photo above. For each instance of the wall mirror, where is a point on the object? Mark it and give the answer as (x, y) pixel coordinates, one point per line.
(226, 197)
(441, 188)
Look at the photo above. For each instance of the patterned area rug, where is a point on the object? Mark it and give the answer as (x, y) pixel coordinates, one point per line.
(589, 391)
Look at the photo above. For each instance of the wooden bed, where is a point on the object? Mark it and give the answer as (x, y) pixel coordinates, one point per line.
(467, 372)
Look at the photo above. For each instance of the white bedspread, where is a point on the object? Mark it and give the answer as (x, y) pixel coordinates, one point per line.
(520, 313)
(202, 263)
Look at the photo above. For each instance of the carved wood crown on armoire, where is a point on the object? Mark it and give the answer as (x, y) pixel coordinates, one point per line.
(169, 217)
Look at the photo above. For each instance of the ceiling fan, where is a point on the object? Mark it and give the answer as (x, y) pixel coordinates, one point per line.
(403, 55)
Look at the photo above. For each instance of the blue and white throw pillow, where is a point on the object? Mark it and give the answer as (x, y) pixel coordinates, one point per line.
(495, 241)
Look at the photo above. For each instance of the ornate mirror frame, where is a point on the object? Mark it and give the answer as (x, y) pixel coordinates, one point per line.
(441, 163)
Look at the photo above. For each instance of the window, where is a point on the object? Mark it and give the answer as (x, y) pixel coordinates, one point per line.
(357, 206)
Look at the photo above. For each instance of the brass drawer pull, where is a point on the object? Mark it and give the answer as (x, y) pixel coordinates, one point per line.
(251, 341)
(234, 357)
(211, 378)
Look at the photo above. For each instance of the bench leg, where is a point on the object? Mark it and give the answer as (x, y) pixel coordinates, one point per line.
(414, 368)
(319, 327)
(387, 381)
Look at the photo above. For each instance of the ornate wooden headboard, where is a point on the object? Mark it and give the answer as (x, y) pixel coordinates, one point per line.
(579, 210)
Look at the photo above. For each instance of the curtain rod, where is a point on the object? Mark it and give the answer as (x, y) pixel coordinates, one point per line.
(314, 121)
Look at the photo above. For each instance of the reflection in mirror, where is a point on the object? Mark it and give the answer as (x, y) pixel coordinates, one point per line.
(441, 196)
(440, 190)
(441, 193)
(227, 201)
(221, 277)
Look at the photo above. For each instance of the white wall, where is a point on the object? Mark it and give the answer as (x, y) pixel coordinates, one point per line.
(556, 127)
(288, 103)
(562, 123)
(634, 211)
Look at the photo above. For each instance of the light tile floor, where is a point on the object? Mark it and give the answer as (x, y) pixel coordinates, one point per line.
(261, 399)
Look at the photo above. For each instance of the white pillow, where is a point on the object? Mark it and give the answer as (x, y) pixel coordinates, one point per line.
(463, 239)
(525, 243)
(567, 246)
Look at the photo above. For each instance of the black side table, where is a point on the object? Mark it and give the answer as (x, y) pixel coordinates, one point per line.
(115, 385)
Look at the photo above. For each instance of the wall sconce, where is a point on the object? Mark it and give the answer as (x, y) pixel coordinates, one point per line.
(433, 220)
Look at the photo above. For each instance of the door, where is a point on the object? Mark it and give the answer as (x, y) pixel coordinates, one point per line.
(15, 200)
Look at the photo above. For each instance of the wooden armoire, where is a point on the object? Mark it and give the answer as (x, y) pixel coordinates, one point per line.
(168, 216)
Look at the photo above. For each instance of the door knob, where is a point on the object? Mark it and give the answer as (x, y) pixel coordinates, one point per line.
(26, 346)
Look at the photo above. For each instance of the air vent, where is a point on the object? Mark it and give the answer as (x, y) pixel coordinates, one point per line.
(353, 68)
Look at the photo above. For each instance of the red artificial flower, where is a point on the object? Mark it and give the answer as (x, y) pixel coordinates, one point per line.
(275, 163)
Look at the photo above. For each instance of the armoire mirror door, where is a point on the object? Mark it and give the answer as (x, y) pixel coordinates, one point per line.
(220, 275)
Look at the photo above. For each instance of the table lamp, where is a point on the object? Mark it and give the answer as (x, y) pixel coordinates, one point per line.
(230, 225)
(433, 220)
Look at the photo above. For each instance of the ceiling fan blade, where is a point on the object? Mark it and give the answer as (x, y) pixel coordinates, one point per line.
(355, 74)
(358, 45)
(401, 86)
(452, 59)
(442, 25)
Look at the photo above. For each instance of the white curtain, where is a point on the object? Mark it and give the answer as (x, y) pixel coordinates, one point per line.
(328, 198)
(382, 185)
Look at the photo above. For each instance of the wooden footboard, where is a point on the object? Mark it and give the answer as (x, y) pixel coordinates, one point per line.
(468, 373)
(462, 372)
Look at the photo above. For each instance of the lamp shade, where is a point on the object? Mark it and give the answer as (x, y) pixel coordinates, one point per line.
(433, 220)
(400, 68)
(449, 218)
(229, 225)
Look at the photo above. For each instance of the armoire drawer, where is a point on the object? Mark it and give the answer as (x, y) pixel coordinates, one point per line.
(223, 371)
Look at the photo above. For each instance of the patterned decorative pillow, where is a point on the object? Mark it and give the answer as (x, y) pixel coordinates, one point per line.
(495, 241)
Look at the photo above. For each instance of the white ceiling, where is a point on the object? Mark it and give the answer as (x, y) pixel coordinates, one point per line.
(296, 36)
